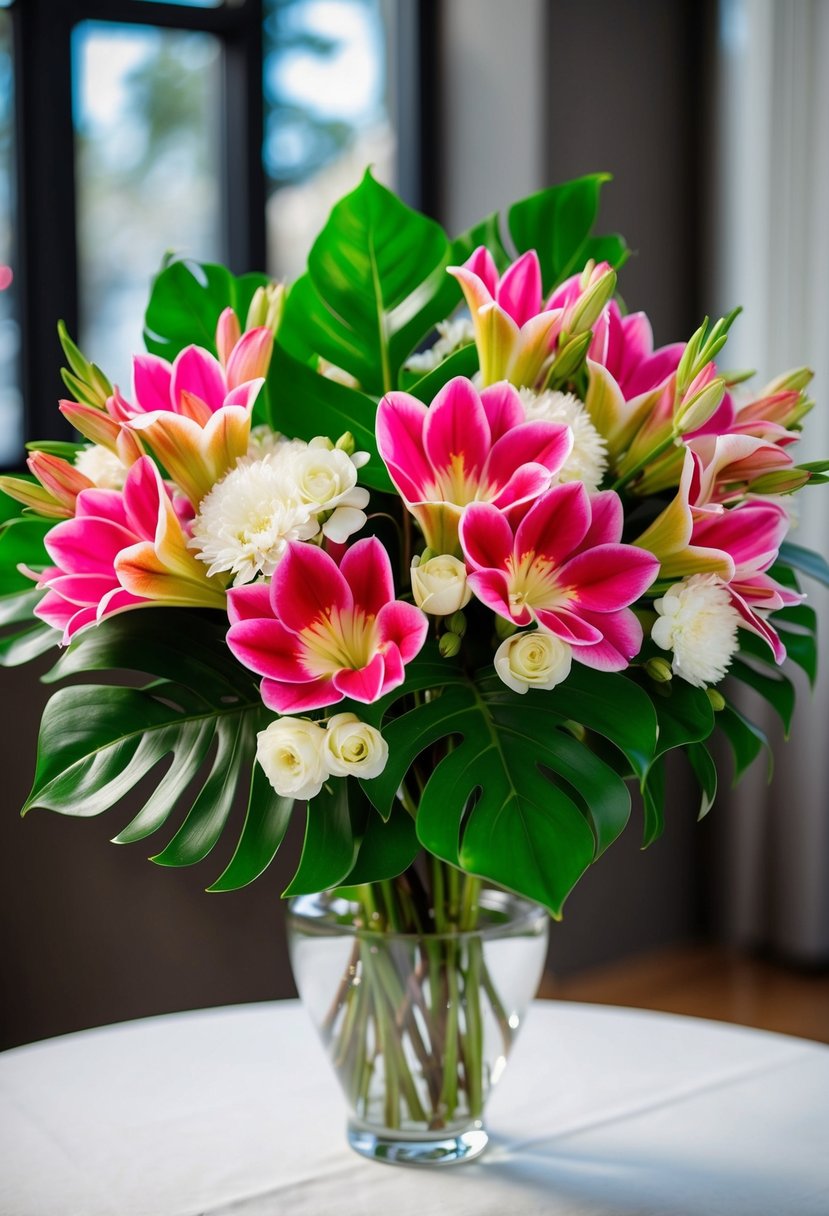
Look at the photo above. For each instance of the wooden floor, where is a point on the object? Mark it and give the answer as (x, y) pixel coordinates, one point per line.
(707, 982)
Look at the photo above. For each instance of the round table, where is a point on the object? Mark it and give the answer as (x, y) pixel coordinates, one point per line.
(234, 1112)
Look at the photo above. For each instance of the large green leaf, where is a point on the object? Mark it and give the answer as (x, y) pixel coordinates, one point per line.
(194, 735)
(304, 404)
(186, 301)
(770, 683)
(746, 739)
(333, 828)
(685, 718)
(376, 284)
(21, 543)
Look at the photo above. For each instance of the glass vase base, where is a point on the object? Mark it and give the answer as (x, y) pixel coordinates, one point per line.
(417, 1150)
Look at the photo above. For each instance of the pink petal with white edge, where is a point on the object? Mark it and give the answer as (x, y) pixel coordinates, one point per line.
(248, 603)
(394, 673)
(245, 394)
(365, 684)
(621, 641)
(367, 570)
(56, 611)
(456, 431)
(399, 428)
(519, 291)
(404, 626)
(750, 534)
(570, 627)
(228, 333)
(482, 263)
(250, 357)
(83, 589)
(81, 620)
(475, 290)
(758, 624)
(526, 484)
(151, 380)
(555, 524)
(102, 504)
(607, 521)
(609, 577)
(545, 443)
(296, 698)
(654, 371)
(200, 373)
(87, 546)
(268, 648)
(486, 537)
(306, 586)
(492, 588)
(143, 491)
(503, 408)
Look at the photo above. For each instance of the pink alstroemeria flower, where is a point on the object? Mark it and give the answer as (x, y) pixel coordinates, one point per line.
(564, 567)
(122, 550)
(624, 345)
(321, 632)
(466, 447)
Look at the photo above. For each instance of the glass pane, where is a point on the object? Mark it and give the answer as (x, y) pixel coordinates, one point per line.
(147, 164)
(327, 114)
(11, 401)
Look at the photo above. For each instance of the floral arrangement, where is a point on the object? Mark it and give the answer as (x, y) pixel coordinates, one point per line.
(432, 539)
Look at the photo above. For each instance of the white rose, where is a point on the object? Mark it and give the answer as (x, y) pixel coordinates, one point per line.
(353, 748)
(439, 585)
(537, 659)
(326, 480)
(290, 751)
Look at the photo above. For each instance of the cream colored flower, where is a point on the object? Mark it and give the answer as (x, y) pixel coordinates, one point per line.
(536, 659)
(326, 480)
(698, 622)
(452, 335)
(291, 753)
(439, 585)
(353, 748)
(587, 461)
(102, 466)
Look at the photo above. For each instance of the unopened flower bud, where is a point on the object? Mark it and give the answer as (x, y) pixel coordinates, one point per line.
(457, 623)
(695, 413)
(795, 380)
(347, 443)
(659, 670)
(449, 645)
(503, 628)
(716, 698)
(266, 307)
(586, 310)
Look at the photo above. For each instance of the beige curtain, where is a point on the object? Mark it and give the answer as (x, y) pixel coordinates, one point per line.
(770, 223)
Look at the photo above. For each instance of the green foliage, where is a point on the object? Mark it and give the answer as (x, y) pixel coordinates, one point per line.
(21, 543)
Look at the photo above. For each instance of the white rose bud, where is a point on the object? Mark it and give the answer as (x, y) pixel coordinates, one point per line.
(291, 752)
(533, 660)
(353, 748)
(439, 585)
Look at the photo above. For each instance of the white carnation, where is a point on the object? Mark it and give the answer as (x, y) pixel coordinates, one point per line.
(102, 467)
(587, 461)
(536, 659)
(265, 442)
(245, 522)
(291, 753)
(698, 622)
(353, 748)
(451, 336)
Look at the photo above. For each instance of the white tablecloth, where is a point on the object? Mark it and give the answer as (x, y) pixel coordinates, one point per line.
(235, 1111)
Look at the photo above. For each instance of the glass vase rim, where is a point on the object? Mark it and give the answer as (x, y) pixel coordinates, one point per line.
(523, 912)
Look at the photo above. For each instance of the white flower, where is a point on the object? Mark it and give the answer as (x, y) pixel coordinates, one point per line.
(588, 460)
(291, 753)
(326, 480)
(536, 659)
(265, 442)
(698, 622)
(453, 335)
(353, 748)
(245, 522)
(102, 467)
(439, 585)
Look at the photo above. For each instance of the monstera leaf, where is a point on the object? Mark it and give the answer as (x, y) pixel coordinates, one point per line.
(376, 284)
(21, 544)
(98, 741)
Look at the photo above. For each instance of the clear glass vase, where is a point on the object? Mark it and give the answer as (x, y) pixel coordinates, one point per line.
(417, 1027)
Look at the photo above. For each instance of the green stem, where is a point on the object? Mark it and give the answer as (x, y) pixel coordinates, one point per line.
(628, 476)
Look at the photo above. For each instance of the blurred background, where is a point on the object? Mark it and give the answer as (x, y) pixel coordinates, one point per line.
(225, 130)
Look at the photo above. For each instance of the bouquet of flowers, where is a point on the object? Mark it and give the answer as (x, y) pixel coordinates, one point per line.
(432, 540)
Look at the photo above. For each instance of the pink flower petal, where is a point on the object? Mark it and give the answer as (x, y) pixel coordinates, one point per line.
(758, 624)
(151, 379)
(519, 292)
(394, 673)
(363, 685)
(526, 484)
(399, 427)
(143, 490)
(546, 443)
(367, 570)
(456, 435)
(250, 357)
(403, 626)
(571, 627)
(607, 520)
(654, 371)
(87, 546)
(268, 648)
(200, 373)
(248, 603)
(244, 394)
(486, 537)
(555, 524)
(609, 577)
(621, 641)
(296, 698)
(307, 586)
(481, 263)
(503, 408)
(102, 504)
(83, 589)
(492, 588)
